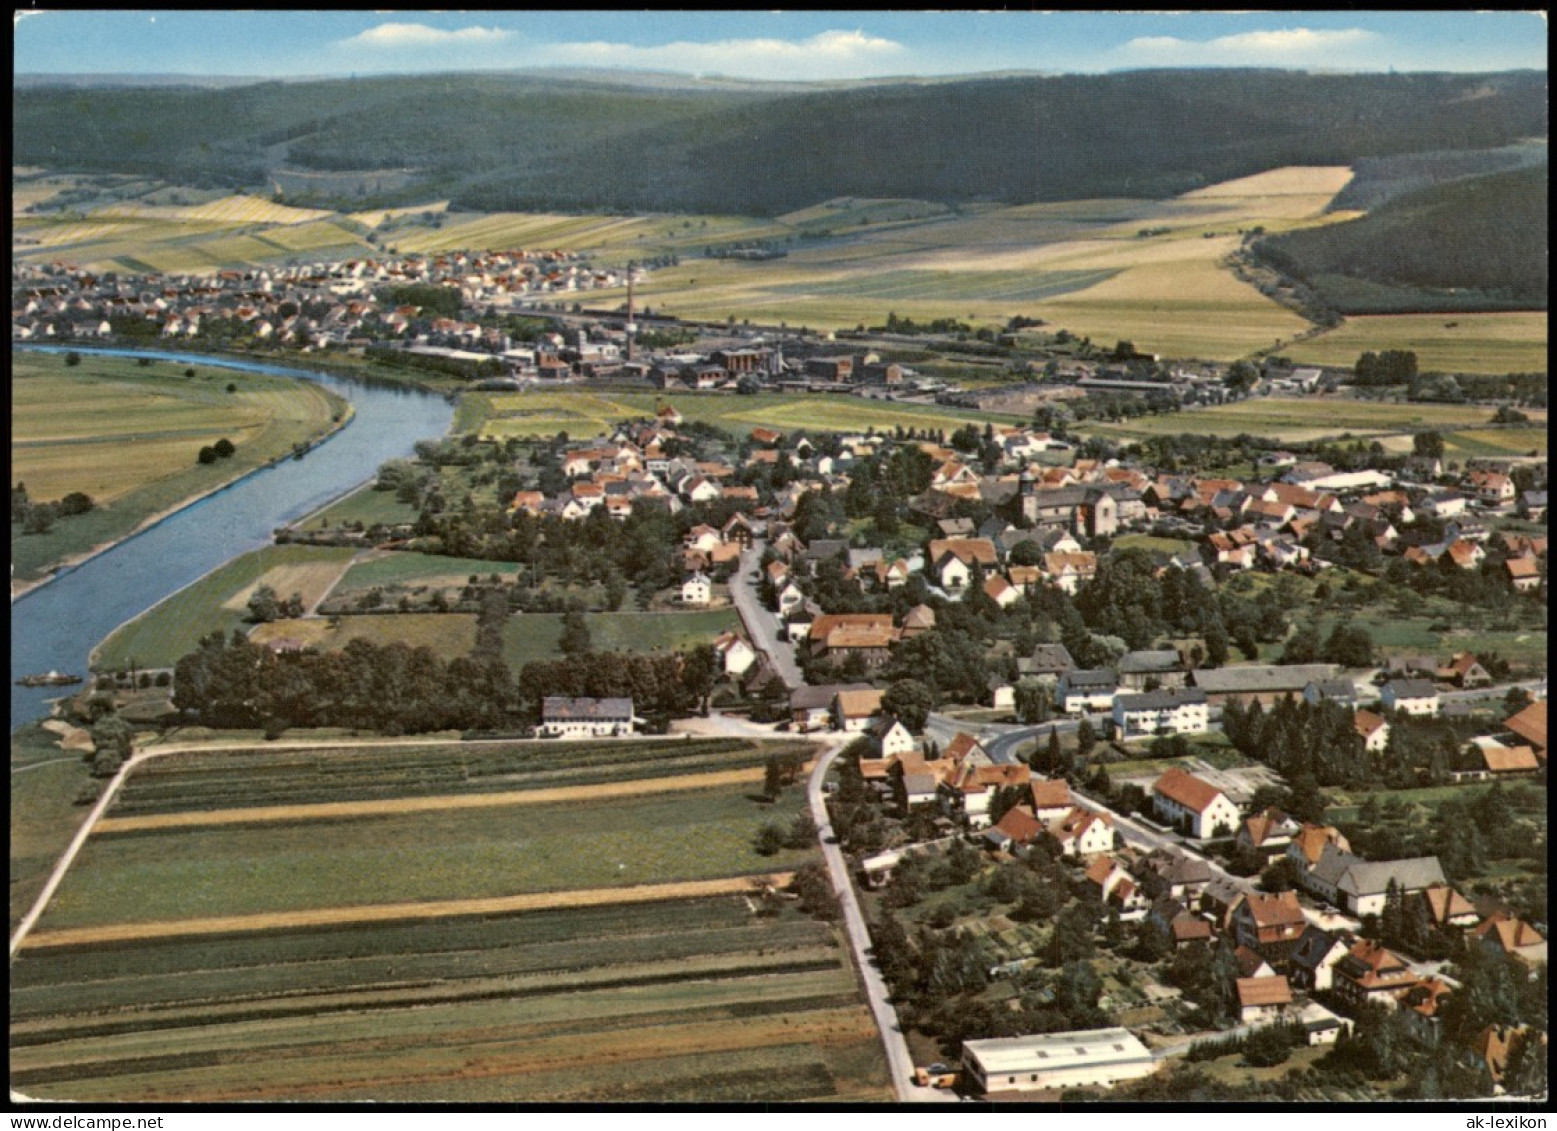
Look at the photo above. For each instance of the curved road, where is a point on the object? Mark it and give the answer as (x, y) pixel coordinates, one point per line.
(876, 992)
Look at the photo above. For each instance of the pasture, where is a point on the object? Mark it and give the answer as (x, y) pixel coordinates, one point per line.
(1468, 343)
(618, 951)
(128, 436)
(173, 628)
(582, 414)
(533, 636)
(689, 999)
(399, 567)
(1296, 419)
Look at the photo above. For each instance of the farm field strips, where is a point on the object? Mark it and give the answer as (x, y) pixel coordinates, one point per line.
(567, 978)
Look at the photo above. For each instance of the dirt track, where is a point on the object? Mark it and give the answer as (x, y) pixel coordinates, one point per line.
(337, 810)
(390, 912)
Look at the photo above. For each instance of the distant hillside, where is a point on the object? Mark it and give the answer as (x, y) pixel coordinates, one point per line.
(1485, 237)
(528, 141)
(1378, 179)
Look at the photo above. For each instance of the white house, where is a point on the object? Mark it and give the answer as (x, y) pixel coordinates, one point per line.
(697, 590)
(562, 717)
(1049, 1061)
(1263, 1000)
(1087, 689)
(735, 654)
(1413, 696)
(1179, 796)
(1178, 711)
(1373, 729)
(1083, 833)
(892, 738)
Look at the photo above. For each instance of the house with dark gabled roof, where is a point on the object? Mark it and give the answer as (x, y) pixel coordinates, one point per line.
(1413, 696)
(1312, 962)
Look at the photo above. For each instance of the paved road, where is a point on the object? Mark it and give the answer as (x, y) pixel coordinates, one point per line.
(762, 625)
(898, 1058)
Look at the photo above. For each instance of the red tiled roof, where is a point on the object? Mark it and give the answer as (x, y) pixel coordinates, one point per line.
(1530, 724)
(1272, 989)
(1188, 790)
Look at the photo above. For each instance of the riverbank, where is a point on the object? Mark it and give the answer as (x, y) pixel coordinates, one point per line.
(281, 441)
(21, 587)
(55, 625)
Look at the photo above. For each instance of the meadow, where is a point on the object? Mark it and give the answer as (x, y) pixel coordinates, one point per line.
(1297, 419)
(717, 997)
(1470, 343)
(173, 628)
(533, 636)
(685, 1000)
(128, 436)
(582, 414)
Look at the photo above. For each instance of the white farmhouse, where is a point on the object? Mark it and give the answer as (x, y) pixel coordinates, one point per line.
(562, 717)
(697, 590)
(1179, 796)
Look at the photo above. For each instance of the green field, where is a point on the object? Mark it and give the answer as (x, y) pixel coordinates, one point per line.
(533, 636)
(691, 1000)
(1469, 343)
(174, 627)
(128, 436)
(406, 568)
(364, 505)
(358, 770)
(44, 782)
(583, 414)
(681, 1000)
(1297, 419)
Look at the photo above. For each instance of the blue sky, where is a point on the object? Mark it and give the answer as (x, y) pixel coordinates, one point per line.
(768, 45)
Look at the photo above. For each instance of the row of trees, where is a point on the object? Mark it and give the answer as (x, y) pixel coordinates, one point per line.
(39, 517)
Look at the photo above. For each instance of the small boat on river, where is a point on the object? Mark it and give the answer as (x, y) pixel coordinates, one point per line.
(49, 679)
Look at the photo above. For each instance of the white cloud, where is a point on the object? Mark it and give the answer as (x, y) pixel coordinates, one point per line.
(828, 54)
(1281, 46)
(421, 35)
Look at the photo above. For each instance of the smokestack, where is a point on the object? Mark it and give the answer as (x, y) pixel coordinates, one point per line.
(632, 327)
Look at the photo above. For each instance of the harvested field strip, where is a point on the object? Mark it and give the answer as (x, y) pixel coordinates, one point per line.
(562, 1014)
(335, 810)
(562, 932)
(404, 995)
(376, 1061)
(230, 778)
(331, 916)
(52, 985)
(167, 798)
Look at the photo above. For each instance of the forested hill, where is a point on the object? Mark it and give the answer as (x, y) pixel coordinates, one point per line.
(523, 141)
(1483, 237)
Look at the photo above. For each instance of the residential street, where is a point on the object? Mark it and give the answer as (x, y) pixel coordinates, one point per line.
(762, 625)
(898, 1058)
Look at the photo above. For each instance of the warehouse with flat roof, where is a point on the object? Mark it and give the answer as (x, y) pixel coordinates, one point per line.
(1080, 1059)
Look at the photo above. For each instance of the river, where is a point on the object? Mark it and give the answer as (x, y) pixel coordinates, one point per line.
(56, 625)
